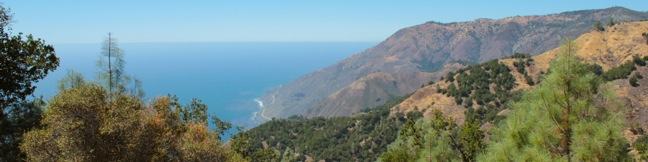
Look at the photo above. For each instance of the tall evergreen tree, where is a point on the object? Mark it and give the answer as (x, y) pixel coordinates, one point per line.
(112, 74)
(567, 117)
(111, 66)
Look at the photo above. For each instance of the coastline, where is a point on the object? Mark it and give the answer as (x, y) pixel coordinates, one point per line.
(261, 111)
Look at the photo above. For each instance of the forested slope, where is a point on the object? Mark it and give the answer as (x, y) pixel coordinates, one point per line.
(467, 105)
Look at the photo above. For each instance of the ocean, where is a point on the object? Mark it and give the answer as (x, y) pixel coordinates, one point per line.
(228, 77)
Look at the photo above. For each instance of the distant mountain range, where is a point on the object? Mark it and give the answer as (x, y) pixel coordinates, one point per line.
(416, 55)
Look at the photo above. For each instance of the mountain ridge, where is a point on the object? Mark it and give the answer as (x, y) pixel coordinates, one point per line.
(418, 54)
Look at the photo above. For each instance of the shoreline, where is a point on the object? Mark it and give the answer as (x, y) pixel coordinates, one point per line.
(261, 111)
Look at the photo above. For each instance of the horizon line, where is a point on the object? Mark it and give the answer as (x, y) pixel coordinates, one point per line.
(161, 42)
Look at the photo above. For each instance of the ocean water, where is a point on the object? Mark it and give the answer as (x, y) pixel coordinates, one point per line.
(226, 76)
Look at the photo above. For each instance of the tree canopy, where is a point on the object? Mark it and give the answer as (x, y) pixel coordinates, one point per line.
(24, 60)
(436, 139)
(82, 124)
(361, 137)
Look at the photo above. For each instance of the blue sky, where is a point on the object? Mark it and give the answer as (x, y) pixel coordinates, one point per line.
(67, 21)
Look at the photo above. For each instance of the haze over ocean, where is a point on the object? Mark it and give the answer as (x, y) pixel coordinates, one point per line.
(225, 76)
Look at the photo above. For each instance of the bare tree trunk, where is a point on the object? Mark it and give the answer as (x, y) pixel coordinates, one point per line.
(110, 79)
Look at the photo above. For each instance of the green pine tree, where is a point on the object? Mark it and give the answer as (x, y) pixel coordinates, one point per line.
(568, 117)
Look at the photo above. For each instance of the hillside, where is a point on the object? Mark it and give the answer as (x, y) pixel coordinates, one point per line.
(615, 50)
(416, 55)
(361, 137)
(486, 88)
(498, 105)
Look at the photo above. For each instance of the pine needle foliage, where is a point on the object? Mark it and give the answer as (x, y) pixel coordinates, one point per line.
(568, 117)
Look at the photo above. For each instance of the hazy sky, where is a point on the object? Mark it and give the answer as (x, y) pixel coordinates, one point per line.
(85, 21)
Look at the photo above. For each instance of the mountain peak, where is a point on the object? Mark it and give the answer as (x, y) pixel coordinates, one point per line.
(610, 10)
(618, 8)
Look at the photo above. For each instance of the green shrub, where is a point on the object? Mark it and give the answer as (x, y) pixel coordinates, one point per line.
(520, 55)
(638, 61)
(450, 77)
(596, 69)
(529, 80)
(440, 90)
(611, 22)
(520, 66)
(620, 72)
(641, 145)
(598, 26)
(634, 80)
